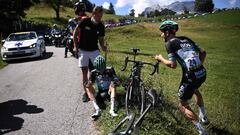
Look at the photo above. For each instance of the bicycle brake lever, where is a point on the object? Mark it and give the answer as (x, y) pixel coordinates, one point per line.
(156, 68)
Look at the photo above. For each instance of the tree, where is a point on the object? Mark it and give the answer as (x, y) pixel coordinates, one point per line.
(111, 9)
(167, 12)
(185, 10)
(55, 4)
(132, 12)
(13, 10)
(204, 5)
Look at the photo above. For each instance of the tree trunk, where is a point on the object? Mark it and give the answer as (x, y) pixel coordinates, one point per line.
(57, 15)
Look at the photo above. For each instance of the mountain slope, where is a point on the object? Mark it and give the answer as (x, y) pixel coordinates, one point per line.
(176, 6)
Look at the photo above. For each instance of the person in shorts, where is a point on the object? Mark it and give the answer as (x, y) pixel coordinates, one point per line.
(92, 32)
(191, 58)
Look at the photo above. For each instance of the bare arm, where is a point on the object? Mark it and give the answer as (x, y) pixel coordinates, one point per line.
(75, 37)
(171, 64)
(101, 42)
(202, 55)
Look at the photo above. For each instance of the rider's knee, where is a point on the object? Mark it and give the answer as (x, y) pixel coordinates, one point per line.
(88, 84)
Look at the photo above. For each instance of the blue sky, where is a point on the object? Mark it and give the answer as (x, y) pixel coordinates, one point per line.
(122, 7)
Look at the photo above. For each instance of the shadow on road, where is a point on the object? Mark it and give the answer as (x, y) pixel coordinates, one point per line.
(9, 122)
(46, 56)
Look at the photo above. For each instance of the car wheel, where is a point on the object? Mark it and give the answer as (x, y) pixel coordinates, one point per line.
(44, 52)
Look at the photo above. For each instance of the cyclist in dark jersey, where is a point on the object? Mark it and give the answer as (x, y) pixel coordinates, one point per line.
(106, 82)
(92, 32)
(190, 57)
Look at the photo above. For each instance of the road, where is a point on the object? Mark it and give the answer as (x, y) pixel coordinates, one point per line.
(43, 97)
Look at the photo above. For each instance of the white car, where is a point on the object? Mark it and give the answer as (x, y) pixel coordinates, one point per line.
(23, 45)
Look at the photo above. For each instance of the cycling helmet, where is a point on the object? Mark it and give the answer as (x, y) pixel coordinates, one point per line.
(79, 7)
(99, 63)
(71, 20)
(54, 25)
(168, 26)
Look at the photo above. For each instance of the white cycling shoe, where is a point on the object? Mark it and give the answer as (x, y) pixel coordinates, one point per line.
(113, 114)
(96, 114)
(203, 119)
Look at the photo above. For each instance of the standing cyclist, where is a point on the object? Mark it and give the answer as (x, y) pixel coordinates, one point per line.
(91, 32)
(190, 57)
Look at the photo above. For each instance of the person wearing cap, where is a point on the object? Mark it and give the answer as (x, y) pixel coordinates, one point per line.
(190, 57)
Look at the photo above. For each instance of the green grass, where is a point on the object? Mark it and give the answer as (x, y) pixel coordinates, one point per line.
(217, 33)
(44, 14)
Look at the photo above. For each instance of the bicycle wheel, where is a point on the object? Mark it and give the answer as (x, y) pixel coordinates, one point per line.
(143, 97)
(135, 98)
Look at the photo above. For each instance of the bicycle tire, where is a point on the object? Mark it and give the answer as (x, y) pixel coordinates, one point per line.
(135, 98)
(143, 97)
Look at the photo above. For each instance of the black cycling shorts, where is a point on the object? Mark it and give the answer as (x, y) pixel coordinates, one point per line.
(190, 83)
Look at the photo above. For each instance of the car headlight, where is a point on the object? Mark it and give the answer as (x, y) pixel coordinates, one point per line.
(32, 46)
(4, 48)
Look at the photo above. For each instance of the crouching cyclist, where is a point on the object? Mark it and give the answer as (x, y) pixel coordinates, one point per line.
(106, 82)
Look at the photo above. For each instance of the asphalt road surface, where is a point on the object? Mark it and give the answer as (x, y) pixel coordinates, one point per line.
(44, 97)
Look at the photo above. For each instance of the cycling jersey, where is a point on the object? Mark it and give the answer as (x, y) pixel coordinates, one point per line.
(186, 52)
(104, 79)
(89, 34)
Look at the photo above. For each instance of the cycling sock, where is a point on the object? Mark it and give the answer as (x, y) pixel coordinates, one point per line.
(202, 111)
(112, 103)
(95, 105)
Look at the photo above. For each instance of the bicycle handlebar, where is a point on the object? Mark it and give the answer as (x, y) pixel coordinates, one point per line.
(156, 65)
(131, 118)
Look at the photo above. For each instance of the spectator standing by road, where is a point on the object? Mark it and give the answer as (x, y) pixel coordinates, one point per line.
(92, 32)
(191, 58)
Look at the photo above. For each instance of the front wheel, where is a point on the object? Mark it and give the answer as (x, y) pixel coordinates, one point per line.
(135, 99)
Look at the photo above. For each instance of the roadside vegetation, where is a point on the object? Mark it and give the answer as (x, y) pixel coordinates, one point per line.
(217, 33)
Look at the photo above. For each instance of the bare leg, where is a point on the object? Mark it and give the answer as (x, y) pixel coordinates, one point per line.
(112, 91)
(188, 112)
(198, 98)
(91, 92)
(200, 103)
(84, 76)
(84, 82)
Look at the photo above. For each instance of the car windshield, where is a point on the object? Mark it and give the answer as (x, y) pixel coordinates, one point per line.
(20, 37)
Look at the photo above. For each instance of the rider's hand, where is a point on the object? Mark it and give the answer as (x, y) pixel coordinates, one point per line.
(159, 57)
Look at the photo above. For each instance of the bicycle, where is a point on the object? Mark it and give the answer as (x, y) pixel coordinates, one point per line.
(135, 92)
(132, 125)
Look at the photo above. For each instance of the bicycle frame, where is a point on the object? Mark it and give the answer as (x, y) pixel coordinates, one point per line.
(135, 93)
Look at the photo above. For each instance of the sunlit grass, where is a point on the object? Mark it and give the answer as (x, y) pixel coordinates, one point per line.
(220, 91)
(217, 33)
